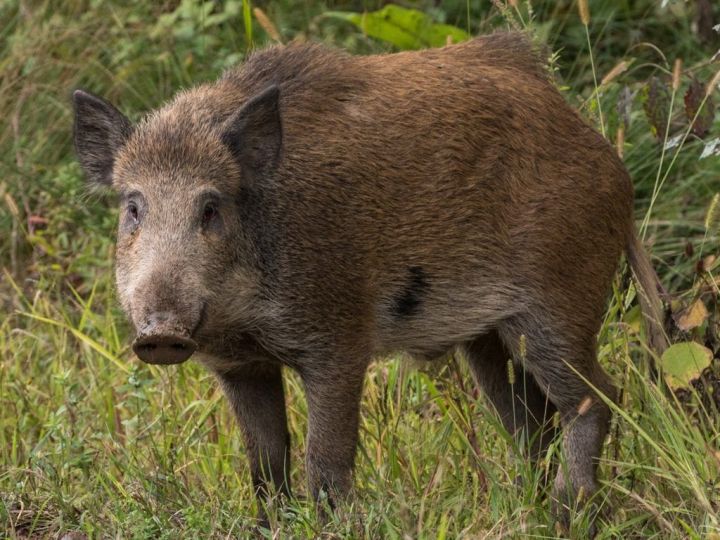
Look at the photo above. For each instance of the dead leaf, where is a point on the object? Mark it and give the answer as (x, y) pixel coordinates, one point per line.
(699, 110)
(704, 21)
(656, 103)
(693, 316)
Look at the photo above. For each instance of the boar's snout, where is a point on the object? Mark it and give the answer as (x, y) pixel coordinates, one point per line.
(162, 340)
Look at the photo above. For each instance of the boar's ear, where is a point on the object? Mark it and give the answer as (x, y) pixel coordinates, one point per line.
(254, 133)
(100, 130)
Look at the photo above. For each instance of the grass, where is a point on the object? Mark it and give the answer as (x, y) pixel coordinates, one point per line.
(95, 442)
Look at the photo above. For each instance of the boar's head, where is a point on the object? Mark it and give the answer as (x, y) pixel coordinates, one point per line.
(184, 177)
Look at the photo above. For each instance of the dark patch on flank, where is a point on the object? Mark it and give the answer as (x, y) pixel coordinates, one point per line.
(407, 302)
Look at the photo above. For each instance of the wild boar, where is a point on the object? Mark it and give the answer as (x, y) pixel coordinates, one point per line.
(316, 210)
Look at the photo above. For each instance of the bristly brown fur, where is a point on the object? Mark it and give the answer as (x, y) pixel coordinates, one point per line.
(414, 202)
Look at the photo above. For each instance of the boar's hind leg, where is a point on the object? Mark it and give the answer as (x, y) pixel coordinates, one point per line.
(523, 408)
(256, 394)
(562, 357)
(333, 398)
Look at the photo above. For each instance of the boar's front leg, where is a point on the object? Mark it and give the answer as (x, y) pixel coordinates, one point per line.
(258, 400)
(333, 397)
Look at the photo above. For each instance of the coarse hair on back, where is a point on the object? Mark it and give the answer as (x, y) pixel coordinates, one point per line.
(514, 50)
(299, 69)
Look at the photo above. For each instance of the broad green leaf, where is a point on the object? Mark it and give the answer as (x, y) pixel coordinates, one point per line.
(683, 362)
(402, 27)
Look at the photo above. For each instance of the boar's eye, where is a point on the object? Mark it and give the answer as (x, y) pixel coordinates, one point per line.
(132, 211)
(209, 213)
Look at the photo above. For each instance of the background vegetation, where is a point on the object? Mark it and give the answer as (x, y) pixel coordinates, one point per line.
(94, 443)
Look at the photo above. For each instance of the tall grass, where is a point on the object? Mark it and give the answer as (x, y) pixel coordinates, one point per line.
(95, 442)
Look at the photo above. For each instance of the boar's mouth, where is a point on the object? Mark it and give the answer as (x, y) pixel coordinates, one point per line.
(163, 341)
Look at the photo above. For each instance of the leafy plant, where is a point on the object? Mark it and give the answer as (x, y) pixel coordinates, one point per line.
(402, 27)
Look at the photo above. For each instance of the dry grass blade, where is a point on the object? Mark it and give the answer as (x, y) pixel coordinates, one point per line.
(666, 525)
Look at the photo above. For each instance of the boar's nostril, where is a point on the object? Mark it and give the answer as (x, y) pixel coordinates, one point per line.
(164, 349)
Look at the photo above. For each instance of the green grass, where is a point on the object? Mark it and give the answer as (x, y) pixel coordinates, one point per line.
(91, 440)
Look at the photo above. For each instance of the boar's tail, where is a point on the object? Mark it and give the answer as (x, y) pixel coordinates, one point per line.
(649, 285)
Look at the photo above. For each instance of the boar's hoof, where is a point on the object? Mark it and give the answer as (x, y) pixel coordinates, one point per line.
(164, 349)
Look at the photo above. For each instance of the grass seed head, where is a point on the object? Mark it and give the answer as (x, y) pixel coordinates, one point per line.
(713, 84)
(267, 25)
(615, 72)
(584, 9)
(585, 405)
(12, 206)
(711, 216)
(677, 74)
(620, 141)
